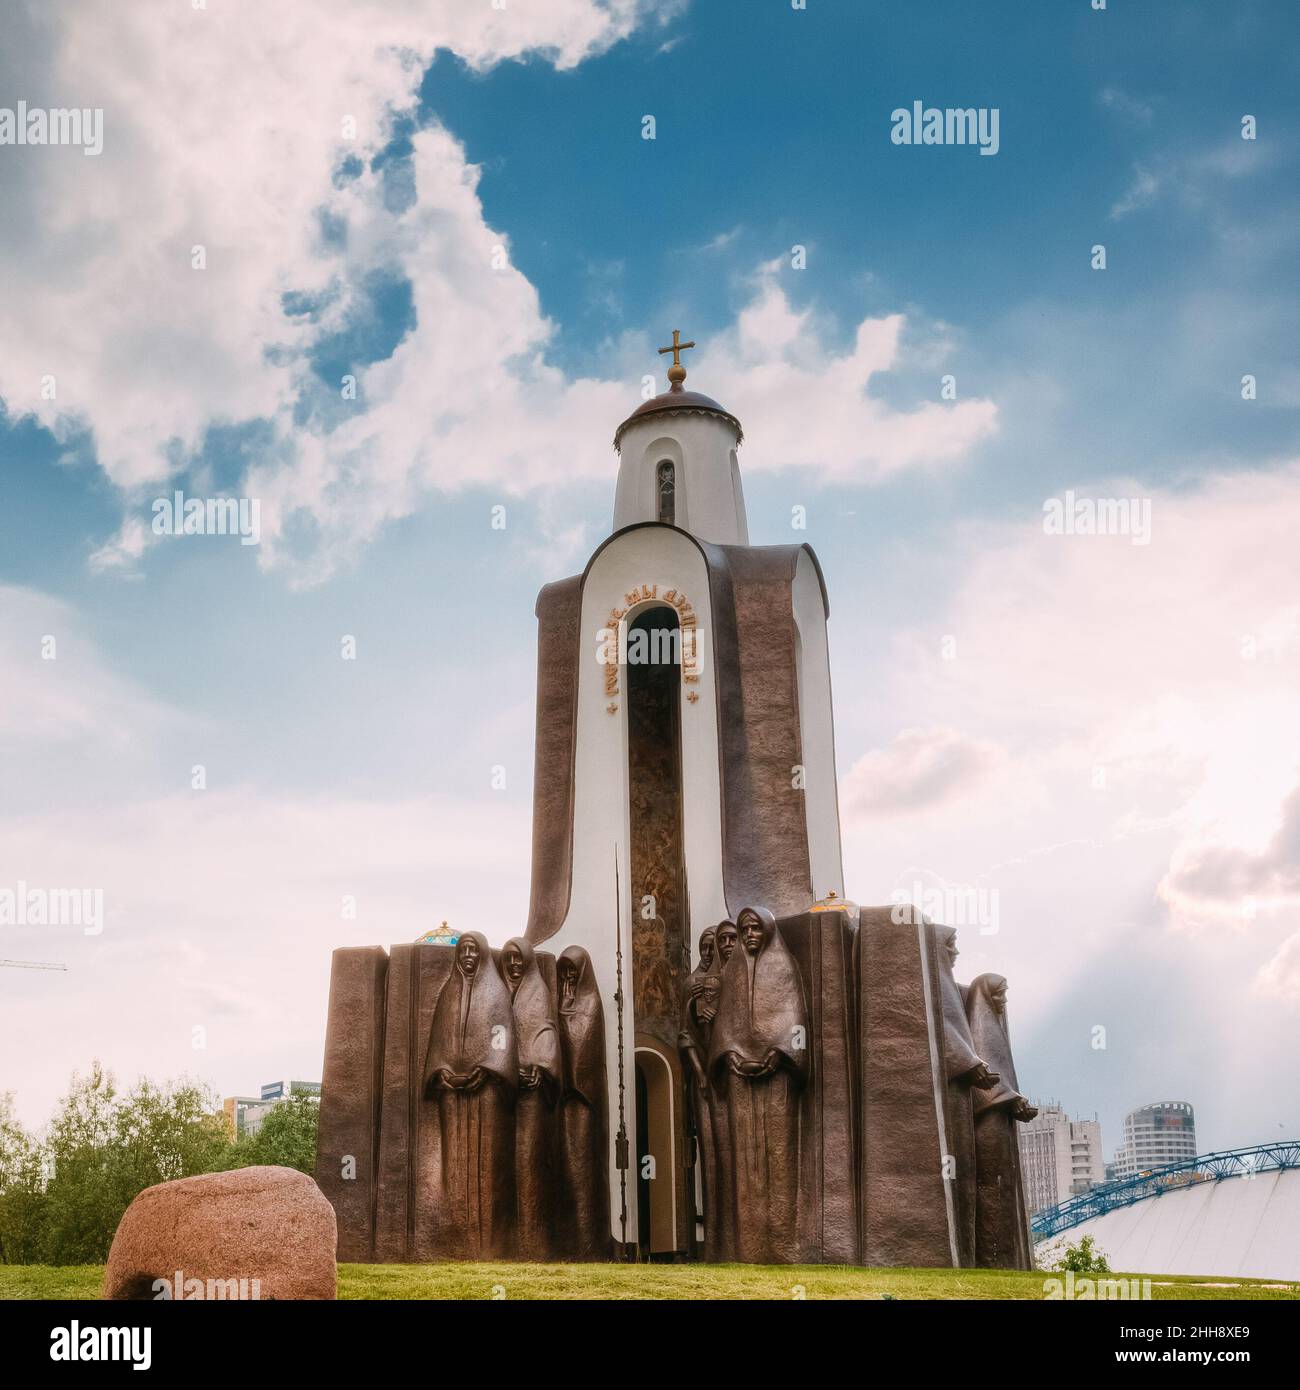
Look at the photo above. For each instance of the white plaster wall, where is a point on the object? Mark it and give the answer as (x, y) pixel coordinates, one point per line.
(816, 724)
(657, 556)
(710, 501)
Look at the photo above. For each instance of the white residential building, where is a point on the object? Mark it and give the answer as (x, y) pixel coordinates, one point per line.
(1060, 1157)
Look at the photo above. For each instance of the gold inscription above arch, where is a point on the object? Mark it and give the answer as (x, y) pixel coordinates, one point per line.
(615, 653)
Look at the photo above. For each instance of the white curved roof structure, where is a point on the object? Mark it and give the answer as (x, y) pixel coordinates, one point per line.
(1247, 1227)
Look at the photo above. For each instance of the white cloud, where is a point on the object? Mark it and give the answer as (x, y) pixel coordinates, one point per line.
(123, 551)
(1212, 880)
(1143, 190)
(1194, 178)
(1131, 108)
(919, 770)
(722, 240)
(803, 404)
(224, 129)
(499, 415)
(1144, 699)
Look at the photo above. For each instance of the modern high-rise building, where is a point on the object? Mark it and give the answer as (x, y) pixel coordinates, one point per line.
(1060, 1157)
(1156, 1135)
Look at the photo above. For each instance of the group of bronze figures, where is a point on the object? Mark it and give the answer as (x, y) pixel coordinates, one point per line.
(984, 1107)
(745, 1045)
(834, 1095)
(517, 1070)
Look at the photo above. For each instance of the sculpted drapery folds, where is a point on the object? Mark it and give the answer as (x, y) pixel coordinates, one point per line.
(1002, 1237)
(472, 1070)
(965, 1071)
(584, 1148)
(537, 1042)
(758, 1064)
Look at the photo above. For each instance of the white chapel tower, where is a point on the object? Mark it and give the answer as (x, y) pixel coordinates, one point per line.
(684, 760)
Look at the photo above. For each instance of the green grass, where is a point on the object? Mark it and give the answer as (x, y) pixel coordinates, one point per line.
(713, 1282)
(50, 1281)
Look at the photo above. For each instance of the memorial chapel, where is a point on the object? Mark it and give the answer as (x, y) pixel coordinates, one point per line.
(695, 1047)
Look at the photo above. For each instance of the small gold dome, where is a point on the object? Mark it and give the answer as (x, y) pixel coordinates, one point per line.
(832, 902)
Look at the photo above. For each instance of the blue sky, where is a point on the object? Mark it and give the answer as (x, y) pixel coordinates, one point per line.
(369, 256)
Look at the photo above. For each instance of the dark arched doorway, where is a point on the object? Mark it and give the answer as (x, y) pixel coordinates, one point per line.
(660, 1189)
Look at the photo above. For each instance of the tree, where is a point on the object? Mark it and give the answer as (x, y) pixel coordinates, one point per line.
(22, 1189)
(287, 1136)
(104, 1148)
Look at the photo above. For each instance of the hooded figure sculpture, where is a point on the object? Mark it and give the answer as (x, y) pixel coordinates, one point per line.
(758, 1064)
(699, 1009)
(584, 1147)
(472, 1070)
(537, 1040)
(964, 1070)
(1002, 1239)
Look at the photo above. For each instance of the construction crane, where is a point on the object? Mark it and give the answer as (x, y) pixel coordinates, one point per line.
(33, 965)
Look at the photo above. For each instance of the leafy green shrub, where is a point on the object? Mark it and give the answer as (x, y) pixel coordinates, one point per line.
(1083, 1258)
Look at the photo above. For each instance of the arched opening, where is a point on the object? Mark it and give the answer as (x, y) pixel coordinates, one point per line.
(659, 917)
(666, 492)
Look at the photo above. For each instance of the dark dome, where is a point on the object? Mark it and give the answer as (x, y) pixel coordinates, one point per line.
(678, 401)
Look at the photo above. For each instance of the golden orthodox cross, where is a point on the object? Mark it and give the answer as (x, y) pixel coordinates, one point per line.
(677, 373)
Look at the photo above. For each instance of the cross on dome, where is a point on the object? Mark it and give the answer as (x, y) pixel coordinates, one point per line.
(677, 373)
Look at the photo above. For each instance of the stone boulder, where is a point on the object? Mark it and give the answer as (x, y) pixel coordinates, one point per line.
(252, 1233)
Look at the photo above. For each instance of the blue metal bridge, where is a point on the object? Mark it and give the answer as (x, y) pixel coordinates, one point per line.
(1230, 1163)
